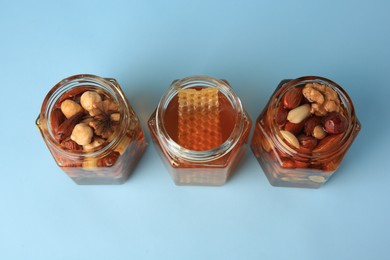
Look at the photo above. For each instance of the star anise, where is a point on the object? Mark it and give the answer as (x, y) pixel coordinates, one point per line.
(105, 119)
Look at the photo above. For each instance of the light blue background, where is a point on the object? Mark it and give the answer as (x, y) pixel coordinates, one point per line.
(147, 44)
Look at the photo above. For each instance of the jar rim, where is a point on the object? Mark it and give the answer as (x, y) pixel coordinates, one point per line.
(108, 85)
(346, 101)
(176, 150)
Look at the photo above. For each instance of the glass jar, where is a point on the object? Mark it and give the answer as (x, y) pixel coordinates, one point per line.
(91, 130)
(201, 130)
(303, 133)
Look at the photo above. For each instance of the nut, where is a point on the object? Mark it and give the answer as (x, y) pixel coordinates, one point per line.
(115, 117)
(56, 119)
(294, 128)
(108, 160)
(82, 134)
(287, 163)
(310, 124)
(323, 98)
(281, 115)
(318, 132)
(71, 145)
(72, 94)
(307, 142)
(69, 108)
(328, 142)
(65, 129)
(298, 114)
(292, 98)
(317, 178)
(95, 143)
(335, 123)
(290, 138)
(90, 100)
(110, 106)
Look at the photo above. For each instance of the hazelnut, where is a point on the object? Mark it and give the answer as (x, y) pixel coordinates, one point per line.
(335, 123)
(90, 100)
(82, 134)
(69, 108)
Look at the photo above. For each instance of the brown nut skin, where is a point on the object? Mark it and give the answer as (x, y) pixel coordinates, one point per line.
(310, 124)
(294, 128)
(335, 123)
(292, 98)
(307, 142)
(56, 119)
(327, 143)
(72, 94)
(281, 115)
(72, 145)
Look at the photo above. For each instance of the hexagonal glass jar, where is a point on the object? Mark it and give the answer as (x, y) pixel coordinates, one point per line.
(300, 159)
(190, 166)
(112, 160)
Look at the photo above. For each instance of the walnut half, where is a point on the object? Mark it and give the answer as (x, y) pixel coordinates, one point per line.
(323, 98)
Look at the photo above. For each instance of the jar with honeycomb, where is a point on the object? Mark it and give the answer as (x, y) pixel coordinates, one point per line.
(201, 130)
(304, 132)
(91, 130)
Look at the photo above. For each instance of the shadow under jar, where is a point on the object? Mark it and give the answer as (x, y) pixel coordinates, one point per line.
(91, 130)
(201, 130)
(303, 133)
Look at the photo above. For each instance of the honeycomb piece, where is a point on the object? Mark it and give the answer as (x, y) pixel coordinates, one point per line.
(199, 127)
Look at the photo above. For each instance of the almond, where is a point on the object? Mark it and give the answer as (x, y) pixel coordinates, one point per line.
(56, 119)
(72, 145)
(298, 114)
(328, 142)
(294, 128)
(290, 138)
(292, 98)
(281, 115)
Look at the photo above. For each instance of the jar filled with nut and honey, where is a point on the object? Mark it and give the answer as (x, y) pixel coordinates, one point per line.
(91, 130)
(201, 130)
(304, 132)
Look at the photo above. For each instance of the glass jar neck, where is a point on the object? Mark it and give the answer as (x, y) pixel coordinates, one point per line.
(89, 82)
(177, 151)
(346, 102)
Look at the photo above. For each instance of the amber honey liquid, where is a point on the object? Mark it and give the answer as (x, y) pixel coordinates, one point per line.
(226, 118)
